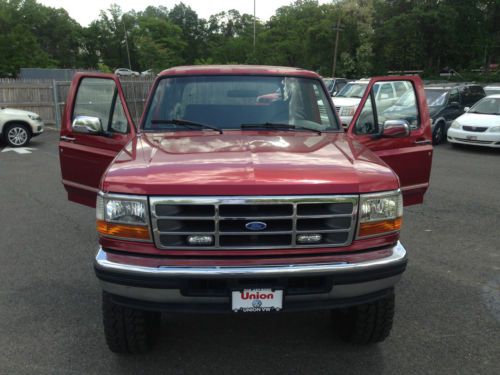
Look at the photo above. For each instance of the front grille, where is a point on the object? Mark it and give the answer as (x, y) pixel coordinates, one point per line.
(476, 129)
(253, 222)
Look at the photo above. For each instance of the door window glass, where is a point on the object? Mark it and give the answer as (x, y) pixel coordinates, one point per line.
(404, 108)
(386, 92)
(98, 97)
(95, 98)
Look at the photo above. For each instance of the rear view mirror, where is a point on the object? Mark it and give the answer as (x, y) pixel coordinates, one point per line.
(87, 125)
(396, 129)
(466, 109)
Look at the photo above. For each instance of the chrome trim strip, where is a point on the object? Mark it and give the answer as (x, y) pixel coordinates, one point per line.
(413, 187)
(294, 201)
(80, 186)
(397, 256)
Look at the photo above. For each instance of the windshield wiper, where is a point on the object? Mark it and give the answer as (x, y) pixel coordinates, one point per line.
(278, 126)
(186, 123)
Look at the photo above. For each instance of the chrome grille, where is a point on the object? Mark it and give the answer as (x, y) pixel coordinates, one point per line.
(477, 129)
(226, 219)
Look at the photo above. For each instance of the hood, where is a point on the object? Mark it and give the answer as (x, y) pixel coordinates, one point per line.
(345, 102)
(16, 112)
(246, 163)
(477, 119)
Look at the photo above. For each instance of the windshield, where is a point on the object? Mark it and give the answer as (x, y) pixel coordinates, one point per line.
(227, 102)
(487, 106)
(435, 97)
(353, 90)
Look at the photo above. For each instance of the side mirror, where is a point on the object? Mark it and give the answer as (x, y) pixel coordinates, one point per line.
(384, 96)
(466, 109)
(87, 125)
(396, 129)
(455, 104)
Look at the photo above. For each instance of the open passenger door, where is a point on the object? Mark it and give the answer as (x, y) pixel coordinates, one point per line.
(400, 134)
(96, 126)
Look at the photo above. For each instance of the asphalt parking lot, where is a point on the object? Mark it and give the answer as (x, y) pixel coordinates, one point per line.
(448, 303)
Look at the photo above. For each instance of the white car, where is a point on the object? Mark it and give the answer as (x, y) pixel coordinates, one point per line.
(18, 127)
(480, 125)
(386, 93)
(126, 72)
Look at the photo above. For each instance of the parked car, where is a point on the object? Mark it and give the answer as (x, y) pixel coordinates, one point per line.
(447, 102)
(17, 127)
(334, 85)
(126, 72)
(492, 89)
(147, 73)
(219, 203)
(479, 126)
(386, 93)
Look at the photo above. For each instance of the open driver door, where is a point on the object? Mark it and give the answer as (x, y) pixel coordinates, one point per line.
(96, 126)
(400, 134)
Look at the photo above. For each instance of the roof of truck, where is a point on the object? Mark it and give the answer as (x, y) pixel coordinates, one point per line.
(237, 70)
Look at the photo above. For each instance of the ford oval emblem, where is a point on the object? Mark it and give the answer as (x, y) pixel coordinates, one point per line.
(256, 225)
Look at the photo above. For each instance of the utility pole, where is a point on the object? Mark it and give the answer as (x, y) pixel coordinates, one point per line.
(126, 44)
(254, 26)
(336, 28)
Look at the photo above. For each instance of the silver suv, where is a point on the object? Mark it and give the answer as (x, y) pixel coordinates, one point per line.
(18, 127)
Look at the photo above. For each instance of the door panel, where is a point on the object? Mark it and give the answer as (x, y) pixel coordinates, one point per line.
(85, 157)
(411, 156)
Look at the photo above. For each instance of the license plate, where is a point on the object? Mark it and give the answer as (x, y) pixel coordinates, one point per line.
(257, 300)
(472, 138)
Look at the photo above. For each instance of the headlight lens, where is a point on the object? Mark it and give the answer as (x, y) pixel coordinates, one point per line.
(380, 213)
(123, 217)
(455, 125)
(35, 117)
(494, 129)
(347, 111)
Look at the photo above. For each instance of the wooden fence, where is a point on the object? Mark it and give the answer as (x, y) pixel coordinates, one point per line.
(48, 98)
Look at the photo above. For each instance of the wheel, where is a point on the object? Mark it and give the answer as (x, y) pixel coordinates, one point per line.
(366, 324)
(438, 134)
(128, 330)
(17, 135)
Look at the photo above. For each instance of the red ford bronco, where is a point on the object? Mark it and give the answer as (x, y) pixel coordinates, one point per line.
(220, 202)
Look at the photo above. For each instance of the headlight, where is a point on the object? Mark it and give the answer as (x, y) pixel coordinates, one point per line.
(123, 217)
(456, 125)
(494, 129)
(380, 213)
(347, 111)
(35, 118)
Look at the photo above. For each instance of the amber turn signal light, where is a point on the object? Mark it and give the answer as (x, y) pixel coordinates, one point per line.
(135, 232)
(379, 227)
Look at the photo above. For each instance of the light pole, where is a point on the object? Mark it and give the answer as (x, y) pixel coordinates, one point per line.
(254, 1)
(126, 44)
(337, 28)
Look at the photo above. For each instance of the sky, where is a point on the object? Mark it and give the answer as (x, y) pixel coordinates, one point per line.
(86, 11)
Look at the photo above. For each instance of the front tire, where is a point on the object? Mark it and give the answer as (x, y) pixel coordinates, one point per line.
(128, 330)
(438, 135)
(366, 324)
(17, 135)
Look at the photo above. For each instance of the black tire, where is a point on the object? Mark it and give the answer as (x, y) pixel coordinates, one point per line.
(17, 135)
(127, 330)
(439, 134)
(366, 324)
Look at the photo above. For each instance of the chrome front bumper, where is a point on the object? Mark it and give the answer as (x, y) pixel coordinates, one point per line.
(159, 285)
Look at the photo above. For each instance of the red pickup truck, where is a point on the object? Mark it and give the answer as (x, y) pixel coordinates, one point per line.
(220, 202)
